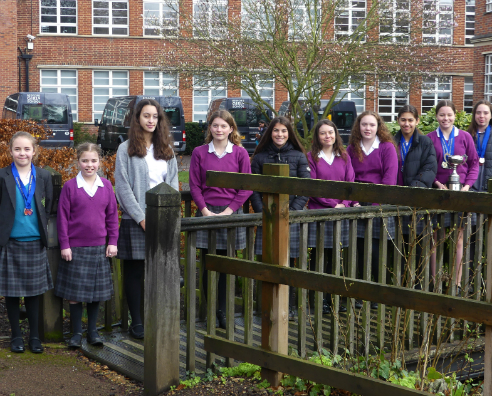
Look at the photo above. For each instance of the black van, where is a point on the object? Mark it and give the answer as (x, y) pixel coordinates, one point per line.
(246, 114)
(52, 109)
(343, 114)
(115, 122)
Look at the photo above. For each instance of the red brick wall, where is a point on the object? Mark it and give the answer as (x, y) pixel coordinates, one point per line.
(8, 49)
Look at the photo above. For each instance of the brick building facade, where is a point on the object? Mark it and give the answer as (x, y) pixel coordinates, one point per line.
(93, 50)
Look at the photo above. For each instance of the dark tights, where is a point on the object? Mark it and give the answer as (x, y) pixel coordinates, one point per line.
(374, 256)
(76, 317)
(221, 297)
(32, 310)
(134, 271)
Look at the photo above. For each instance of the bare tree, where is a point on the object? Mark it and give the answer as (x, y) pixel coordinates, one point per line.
(309, 48)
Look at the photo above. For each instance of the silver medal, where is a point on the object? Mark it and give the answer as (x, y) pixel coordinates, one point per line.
(444, 165)
(482, 160)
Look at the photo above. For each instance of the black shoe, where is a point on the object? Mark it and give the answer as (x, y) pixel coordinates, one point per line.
(326, 309)
(374, 305)
(35, 345)
(136, 331)
(222, 319)
(342, 308)
(94, 338)
(75, 341)
(17, 346)
(358, 304)
(181, 282)
(459, 292)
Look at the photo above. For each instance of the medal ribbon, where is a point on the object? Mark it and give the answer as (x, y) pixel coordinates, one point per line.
(447, 147)
(481, 147)
(27, 194)
(404, 148)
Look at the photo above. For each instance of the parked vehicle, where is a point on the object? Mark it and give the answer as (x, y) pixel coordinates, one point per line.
(343, 114)
(115, 121)
(51, 109)
(247, 116)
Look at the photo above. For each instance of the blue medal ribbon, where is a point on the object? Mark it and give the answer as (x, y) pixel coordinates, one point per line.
(27, 193)
(447, 146)
(404, 148)
(481, 147)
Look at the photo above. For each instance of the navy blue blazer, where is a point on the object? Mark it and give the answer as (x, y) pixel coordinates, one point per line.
(43, 196)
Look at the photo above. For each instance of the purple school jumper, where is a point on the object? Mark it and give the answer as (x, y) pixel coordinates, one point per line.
(203, 161)
(339, 170)
(463, 144)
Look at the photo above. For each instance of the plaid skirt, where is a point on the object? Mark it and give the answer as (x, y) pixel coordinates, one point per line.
(406, 222)
(87, 278)
(294, 232)
(328, 234)
(376, 227)
(24, 269)
(202, 235)
(449, 219)
(131, 241)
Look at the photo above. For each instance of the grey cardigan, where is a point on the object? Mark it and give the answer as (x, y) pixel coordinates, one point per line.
(132, 182)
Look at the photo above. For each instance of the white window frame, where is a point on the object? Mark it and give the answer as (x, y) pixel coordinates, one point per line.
(111, 17)
(436, 89)
(393, 92)
(257, 21)
(112, 88)
(265, 86)
(59, 86)
(468, 95)
(165, 23)
(439, 18)
(470, 8)
(488, 78)
(350, 13)
(488, 5)
(301, 13)
(213, 90)
(354, 92)
(397, 31)
(167, 83)
(61, 17)
(208, 11)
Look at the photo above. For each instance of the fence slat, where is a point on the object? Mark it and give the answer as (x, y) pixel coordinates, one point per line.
(383, 260)
(366, 308)
(352, 271)
(487, 369)
(191, 301)
(452, 270)
(230, 291)
(335, 325)
(248, 289)
(302, 293)
(318, 296)
(397, 281)
(425, 262)
(409, 277)
(440, 237)
(211, 296)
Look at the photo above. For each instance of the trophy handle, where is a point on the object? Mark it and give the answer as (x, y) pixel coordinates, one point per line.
(465, 157)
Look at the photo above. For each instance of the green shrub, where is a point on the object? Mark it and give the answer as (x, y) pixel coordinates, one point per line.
(194, 136)
(80, 135)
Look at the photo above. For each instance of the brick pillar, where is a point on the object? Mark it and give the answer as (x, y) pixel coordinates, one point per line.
(9, 78)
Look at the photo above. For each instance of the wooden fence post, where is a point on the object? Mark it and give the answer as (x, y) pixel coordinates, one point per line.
(162, 239)
(487, 369)
(274, 307)
(51, 307)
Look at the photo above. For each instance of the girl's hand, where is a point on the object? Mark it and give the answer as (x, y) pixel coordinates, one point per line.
(111, 251)
(356, 205)
(66, 254)
(226, 212)
(142, 224)
(441, 186)
(466, 187)
(337, 206)
(206, 212)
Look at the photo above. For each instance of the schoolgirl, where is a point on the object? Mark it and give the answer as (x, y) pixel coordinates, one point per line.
(328, 160)
(417, 165)
(280, 145)
(449, 140)
(222, 151)
(26, 195)
(87, 216)
(145, 160)
(374, 160)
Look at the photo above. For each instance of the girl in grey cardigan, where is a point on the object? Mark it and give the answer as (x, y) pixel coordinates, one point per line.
(145, 160)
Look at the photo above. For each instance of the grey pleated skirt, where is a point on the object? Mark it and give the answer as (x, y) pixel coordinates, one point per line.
(131, 241)
(329, 225)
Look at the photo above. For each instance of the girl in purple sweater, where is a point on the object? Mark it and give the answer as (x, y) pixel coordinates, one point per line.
(448, 139)
(374, 160)
(87, 217)
(222, 152)
(328, 160)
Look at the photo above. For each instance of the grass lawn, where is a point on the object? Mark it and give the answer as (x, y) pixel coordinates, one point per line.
(184, 176)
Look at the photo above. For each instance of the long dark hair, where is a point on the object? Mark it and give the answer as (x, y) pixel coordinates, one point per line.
(356, 137)
(316, 145)
(409, 109)
(472, 128)
(266, 139)
(161, 137)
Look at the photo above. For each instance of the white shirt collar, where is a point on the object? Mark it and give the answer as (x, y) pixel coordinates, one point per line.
(456, 131)
(328, 160)
(81, 183)
(375, 146)
(228, 149)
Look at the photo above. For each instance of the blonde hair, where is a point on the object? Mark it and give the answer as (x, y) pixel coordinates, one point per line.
(234, 136)
(87, 147)
(29, 137)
